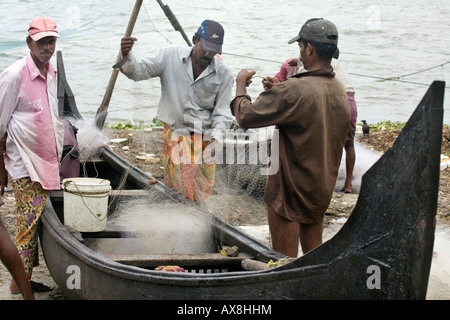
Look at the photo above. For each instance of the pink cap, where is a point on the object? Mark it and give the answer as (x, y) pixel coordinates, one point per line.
(42, 27)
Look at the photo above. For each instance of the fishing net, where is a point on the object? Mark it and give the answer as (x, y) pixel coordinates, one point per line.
(164, 219)
(246, 160)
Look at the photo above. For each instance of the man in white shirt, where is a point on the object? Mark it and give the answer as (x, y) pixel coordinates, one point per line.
(196, 90)
(34, 137)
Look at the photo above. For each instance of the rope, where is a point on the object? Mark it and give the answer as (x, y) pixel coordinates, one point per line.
(249, 57)
(380, 79)
(154, 26)
(420, 71)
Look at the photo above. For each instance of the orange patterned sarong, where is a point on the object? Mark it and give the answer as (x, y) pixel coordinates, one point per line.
(184, 168)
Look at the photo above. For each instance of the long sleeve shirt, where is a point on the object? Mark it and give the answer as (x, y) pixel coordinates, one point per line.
(29, 117)
(310, 111)
(186, 103)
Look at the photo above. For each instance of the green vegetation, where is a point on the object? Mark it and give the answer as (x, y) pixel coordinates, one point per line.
(387, 125)
(157, 123)
(125, 126)
(129, 125)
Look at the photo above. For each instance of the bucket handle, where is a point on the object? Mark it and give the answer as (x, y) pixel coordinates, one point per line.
(79, 193)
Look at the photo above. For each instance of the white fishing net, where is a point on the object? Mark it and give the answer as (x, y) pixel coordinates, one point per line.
(167, 224)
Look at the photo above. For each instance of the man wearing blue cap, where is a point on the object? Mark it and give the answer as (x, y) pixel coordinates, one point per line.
(196, 90)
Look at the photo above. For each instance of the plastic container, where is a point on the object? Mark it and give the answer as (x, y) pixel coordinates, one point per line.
(86, 203)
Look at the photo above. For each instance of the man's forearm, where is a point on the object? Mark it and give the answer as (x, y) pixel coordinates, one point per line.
(241, 88)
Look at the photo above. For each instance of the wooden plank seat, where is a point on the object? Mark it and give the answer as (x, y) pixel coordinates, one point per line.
(203, 260)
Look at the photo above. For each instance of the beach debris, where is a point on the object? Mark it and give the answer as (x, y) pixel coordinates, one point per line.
(341, 220)
(148, 158)
(445, 162)
(118, 140)
(332, 212)
(229, 251)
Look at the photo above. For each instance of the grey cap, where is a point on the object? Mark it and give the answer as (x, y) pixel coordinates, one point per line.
(318, 30)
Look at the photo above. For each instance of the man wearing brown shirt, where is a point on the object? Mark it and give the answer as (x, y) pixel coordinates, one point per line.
(310, 111)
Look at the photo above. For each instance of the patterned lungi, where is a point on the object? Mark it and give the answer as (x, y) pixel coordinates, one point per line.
(30, 203)
(184, 168)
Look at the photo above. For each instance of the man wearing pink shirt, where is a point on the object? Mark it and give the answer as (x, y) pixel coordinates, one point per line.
(34, 137)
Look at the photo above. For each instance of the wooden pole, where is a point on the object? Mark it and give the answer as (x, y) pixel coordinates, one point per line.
(102, 111)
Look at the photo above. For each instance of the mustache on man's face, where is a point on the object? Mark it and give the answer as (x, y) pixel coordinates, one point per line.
(205, 60)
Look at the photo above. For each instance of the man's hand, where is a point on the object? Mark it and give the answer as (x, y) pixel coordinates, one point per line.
(245, 76)
(294, 62)
(126, 45)
(269, 82)
(243, 80)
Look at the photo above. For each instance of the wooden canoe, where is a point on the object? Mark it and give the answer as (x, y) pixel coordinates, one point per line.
(384, 250)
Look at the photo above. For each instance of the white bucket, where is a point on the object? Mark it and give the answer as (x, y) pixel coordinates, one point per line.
(86, 203)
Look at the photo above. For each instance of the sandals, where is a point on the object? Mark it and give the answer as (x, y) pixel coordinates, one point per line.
(39, 287)
(36, 287)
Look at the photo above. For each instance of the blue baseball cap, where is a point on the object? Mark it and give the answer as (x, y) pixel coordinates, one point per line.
(211, 36)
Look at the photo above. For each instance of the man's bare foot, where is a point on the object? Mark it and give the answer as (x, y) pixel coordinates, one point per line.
(13, 287)
(347, 190)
